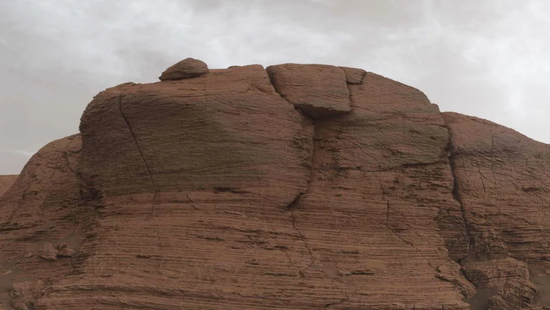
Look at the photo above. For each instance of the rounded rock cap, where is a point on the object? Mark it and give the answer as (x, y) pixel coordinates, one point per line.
(187, 68)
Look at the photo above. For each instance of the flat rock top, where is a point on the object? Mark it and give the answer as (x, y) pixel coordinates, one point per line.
(6, 181)
(187, 68)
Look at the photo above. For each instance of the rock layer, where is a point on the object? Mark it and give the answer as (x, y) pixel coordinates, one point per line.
(295, 187)
(503, 183)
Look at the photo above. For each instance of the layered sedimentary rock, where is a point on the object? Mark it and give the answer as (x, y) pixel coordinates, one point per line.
(291, 187)
(48, 210)
(502, 182)
(6, 181)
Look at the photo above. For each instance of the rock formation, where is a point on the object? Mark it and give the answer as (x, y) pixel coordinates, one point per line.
(290, 187)
(6, 181)
(187, 68)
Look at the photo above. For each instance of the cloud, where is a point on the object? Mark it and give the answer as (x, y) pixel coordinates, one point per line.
(25, 153)
(12, 161)
(484, 58)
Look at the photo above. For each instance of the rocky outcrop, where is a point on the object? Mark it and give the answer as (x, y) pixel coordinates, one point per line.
(6, 181)
(48, 206)
(502, 182)
(291, 187)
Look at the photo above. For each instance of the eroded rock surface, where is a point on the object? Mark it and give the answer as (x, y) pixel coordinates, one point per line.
(48, 205)
(6, 181)
(295, 187)
(503, 183)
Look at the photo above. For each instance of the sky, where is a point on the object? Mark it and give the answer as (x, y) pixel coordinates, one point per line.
(486, 58)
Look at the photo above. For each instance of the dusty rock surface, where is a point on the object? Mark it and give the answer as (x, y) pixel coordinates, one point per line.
(296, 187)
(6, 181)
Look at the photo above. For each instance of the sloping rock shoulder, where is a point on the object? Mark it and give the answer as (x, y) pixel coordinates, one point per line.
(6, 181)
(295, 187)
(503, 184)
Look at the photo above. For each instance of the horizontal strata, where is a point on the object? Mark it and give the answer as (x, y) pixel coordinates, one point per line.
(291, 187)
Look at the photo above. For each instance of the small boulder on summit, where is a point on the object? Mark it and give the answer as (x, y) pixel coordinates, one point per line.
(187, 68)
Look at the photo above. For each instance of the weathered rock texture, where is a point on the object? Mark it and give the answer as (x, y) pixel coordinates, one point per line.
(6, 181)
(502, 182)
(295, 187)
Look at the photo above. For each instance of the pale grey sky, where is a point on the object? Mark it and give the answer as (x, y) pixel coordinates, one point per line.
(487, 58)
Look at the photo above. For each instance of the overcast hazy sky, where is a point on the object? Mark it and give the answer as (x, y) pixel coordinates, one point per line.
(487, 58)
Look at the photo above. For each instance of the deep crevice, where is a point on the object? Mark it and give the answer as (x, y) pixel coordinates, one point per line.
(295, 204)
(363, 78)
(155, 191)
(457, 197)
(228, 189)
(350, 96)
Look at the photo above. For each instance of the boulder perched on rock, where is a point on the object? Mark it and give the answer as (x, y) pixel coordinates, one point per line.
(291, 187)
(187, 68)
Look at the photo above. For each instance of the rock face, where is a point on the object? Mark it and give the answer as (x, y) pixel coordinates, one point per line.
(291, 187)
(502, 183)
(6, 181)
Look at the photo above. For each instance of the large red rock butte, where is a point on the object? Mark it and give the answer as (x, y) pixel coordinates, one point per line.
(289, 187)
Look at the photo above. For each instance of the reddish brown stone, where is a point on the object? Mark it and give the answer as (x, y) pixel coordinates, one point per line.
(354, 75)
(215, 193)
(316, 90)
(6, 181)
(502, 183)
(24, 294)
(187, 68)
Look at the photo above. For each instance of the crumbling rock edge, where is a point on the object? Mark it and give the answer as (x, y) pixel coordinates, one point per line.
(365, 175)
